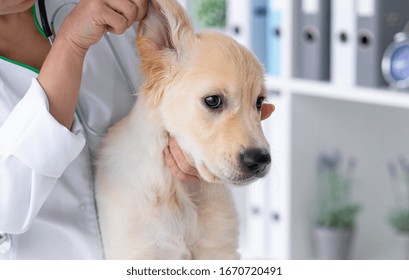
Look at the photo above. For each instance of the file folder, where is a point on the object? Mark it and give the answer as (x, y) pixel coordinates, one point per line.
(258, 18)
(343, 42)
(378, 21)
(274, 29)
(312, 37)
(247, 23)
(238, 25)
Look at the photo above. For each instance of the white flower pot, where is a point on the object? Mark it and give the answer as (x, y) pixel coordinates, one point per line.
(332, 243)
(404, 237)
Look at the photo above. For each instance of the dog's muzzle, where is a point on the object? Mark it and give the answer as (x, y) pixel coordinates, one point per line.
(255, 161)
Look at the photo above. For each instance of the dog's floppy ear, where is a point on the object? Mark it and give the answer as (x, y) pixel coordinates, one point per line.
(164, 35)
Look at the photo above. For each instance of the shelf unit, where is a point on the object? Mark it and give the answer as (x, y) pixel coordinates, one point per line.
(363, 95)
(311, 117)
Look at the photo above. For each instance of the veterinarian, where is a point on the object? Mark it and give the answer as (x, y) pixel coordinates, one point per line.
(56, 102)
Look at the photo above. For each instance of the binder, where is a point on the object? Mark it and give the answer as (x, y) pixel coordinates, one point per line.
(274, 31)
(311, 42)
(378, 21)
(258, 23)
(246, 23)
(238, 23)
(343, 42)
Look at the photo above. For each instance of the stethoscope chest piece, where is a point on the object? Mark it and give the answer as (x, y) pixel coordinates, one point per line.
(6, 242)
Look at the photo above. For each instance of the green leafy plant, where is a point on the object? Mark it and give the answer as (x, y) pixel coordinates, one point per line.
(399, 219)
(212, 13)
(335, 208)
(399, 216)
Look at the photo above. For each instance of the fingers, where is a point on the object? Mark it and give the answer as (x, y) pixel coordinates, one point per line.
(142, 7)
(266, 110)
(126, 9)
(131, 10)
(88, 21)
(177, 163)
(180, 158)
(114, 22)
(176, 171)
(120, 15)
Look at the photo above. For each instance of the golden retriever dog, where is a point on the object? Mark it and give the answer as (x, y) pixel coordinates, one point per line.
(205, 90)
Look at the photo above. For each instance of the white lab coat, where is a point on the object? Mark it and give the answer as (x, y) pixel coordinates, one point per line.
(46, 171)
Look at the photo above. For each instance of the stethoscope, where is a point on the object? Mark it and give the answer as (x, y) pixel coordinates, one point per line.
(44, 21)
(6, 241)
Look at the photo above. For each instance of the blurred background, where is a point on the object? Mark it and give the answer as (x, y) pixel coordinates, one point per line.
(338, 73)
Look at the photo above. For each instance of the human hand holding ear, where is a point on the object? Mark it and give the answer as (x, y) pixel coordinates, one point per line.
(82, 28)
(86, 24)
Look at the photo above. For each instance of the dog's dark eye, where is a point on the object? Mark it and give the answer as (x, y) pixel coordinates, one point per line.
(259, 102)
(214, 101)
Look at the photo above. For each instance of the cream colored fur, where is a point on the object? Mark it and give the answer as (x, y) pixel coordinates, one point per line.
(144, 213)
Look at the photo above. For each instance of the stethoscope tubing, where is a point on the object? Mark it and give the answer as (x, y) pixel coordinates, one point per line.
(44, 21)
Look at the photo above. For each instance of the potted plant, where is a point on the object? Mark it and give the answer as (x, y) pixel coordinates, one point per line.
(212, 13)
(335, 217)
(399, 215)
(208, 13)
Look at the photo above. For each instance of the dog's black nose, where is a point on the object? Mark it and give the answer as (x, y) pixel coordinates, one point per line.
(255, 161)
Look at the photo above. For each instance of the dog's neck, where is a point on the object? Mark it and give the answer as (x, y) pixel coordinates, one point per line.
(145, 126)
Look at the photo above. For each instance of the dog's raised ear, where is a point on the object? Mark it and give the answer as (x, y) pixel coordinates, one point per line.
(163, 36)
(166, 26)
